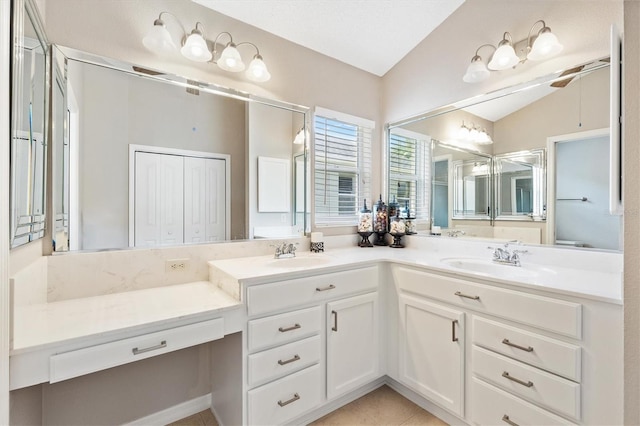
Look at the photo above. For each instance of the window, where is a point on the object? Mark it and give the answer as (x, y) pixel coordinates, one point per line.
(342, 166)
(409, 167)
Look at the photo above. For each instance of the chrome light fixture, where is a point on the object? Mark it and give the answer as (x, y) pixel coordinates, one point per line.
(545, 45)
(195, 47)
(474, 135)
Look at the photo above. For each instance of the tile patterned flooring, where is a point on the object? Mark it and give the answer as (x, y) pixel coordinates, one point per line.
(383, 406)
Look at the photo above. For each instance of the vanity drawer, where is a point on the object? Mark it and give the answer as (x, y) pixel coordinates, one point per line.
(283, 400)
(277, 362)
(95, 358)
(303, 291)
(544, 352)
(546, 313)
(531, 383)
(283, 328)
(492, 406)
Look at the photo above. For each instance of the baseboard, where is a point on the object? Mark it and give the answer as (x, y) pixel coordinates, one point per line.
(177, 412)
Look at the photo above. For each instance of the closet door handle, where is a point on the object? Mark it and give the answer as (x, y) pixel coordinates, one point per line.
(457, 293)
(294, 359)
(137, 351)
(453, 331)
(289, 401)
(506, 375)
(335, 320)
(507, 420)
(513, 345)
(293, 327)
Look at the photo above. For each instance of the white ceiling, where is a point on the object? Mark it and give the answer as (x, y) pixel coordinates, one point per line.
(372, 35)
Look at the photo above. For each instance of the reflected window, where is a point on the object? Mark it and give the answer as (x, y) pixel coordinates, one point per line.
(342, 167)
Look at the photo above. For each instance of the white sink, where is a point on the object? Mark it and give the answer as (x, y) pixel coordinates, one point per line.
(299, 262)
(491, 269)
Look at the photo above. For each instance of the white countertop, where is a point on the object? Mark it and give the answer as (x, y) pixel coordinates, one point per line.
(602, 283)
(45, 324)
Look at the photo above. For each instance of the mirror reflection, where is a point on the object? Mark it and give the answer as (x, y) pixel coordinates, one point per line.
(494, 168)
(145, 160)
(28, 126)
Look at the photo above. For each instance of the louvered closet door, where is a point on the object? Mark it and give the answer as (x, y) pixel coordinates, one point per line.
(204, 200)
(159, 186)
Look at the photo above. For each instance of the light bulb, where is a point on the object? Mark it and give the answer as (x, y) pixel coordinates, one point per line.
(195, 48)
(545, 46)
(257, 70)
(158, 39)
(230, 59)
(476, 71)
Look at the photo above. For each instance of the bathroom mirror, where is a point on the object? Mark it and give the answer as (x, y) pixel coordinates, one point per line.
(143, 158)
(29, 106)
(520, 185)
(513, 126)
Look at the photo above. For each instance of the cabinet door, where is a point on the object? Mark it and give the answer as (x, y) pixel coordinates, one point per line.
(432, 351)
(352, 343)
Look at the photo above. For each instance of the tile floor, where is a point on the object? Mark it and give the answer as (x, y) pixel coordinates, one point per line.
(383, 406)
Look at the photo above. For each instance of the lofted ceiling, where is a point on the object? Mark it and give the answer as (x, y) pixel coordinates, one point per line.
(372, 35)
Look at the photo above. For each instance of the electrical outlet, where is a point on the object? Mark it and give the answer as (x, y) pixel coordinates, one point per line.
(176, 265)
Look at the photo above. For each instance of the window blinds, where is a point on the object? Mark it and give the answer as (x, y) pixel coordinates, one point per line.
(342, 152)
(409, 168)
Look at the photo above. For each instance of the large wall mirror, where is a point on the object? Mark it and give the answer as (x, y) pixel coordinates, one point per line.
(142, 158)
(29, 108)
(499, 163)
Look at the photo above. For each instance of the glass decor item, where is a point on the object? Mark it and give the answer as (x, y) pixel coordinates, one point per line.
(393, 209)
(397, 230)
(380, 222)
(365, 225)
(409, 221)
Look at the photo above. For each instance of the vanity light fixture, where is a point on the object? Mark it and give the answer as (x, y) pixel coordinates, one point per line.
(299, 139)
(545, 45)
(472, 134)
(195, 47)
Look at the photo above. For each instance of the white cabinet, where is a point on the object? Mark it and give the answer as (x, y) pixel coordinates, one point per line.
(432, 351)
(352, 343)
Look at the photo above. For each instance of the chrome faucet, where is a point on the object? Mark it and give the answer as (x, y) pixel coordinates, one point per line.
(285, 250)
(503, 256)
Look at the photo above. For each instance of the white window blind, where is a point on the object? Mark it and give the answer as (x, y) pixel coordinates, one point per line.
(409, 169)
(342, 151)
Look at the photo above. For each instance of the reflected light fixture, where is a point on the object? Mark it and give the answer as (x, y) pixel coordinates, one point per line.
(545, 45)
(195, 47)
(299, 139)
(473, 135)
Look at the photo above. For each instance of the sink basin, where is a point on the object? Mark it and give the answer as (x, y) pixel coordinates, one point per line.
(299, 262)
(488, 268)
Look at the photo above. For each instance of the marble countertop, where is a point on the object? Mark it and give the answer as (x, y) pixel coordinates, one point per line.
(600, 282)
(40, 325)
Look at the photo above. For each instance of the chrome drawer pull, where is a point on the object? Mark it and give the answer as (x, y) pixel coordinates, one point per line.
(294, 359)
(513, 379)
(137, 351)
(293, 327)
(513, 345)
(335, 321)
(294, 399)
(506, 419)
(331, 287)
(457, 293)
(453, 331)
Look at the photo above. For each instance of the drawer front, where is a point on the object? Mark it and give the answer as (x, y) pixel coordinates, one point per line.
(277, 362)
(95, 358)
(546, 313)
(544, 352)
(283, 328)
(285, 399)
(533, 384)
(492, 406)
(302, 291)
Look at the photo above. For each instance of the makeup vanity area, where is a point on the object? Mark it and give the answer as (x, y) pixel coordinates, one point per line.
(290, 340)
